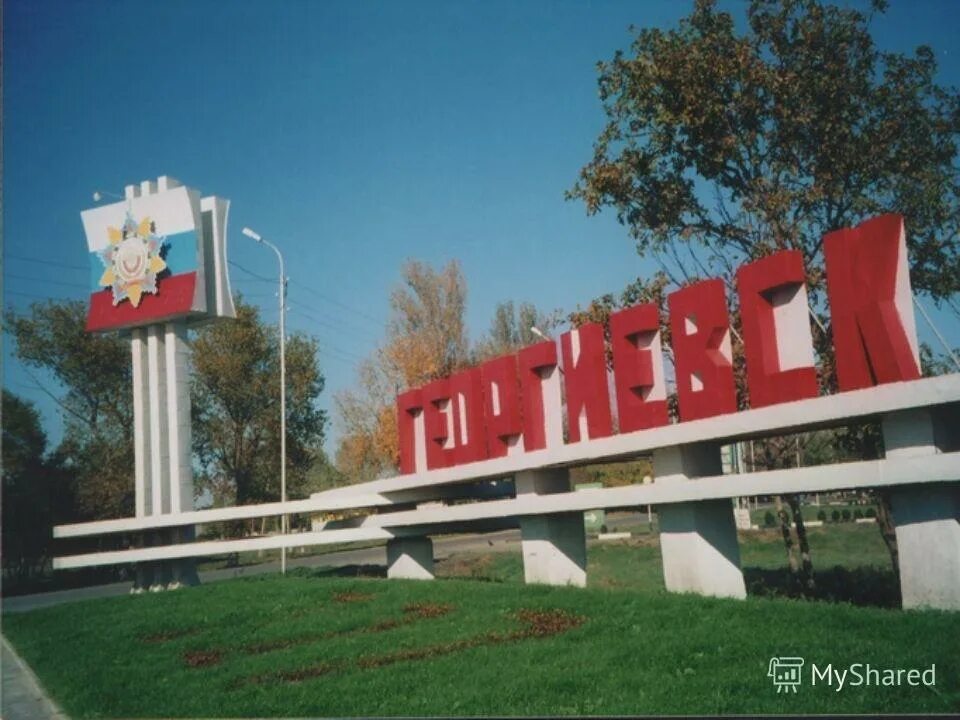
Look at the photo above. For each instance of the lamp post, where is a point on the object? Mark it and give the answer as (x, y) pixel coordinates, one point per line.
(283, 390)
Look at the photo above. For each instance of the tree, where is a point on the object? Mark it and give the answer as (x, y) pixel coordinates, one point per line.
(95, 371)
(34, 491)
(722, 147)
(236, 409)
(512, 329)
(796, 128)
(426, 339)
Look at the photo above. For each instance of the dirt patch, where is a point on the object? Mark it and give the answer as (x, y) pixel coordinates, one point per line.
(202, 658)
(412, 613)
(265, 647)
(537, 624)
(427, 610)
(301, 674)
(375, 661)
(168, 635)
(381, 626)
(544, 623)
(352, 597)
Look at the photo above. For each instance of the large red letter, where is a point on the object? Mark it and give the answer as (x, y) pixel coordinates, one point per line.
(438, 423)
(638, 368)
(868, 283)
(501, 401)
(585, 379)
(409, 405)
(776, 329)
(701, 347)
(540, 396)
(466, 396)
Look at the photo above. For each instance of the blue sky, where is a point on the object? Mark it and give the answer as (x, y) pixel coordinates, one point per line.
(353, 135)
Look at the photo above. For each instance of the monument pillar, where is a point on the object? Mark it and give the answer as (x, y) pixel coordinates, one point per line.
(410, 558)
(554, 546)
(698, 540)
(158, 262)
(927, 516)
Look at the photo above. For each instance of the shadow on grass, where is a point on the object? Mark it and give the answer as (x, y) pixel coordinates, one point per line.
(865, 586)
(371, 571)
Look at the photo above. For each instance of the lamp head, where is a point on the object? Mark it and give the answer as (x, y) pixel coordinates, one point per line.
(252, 235)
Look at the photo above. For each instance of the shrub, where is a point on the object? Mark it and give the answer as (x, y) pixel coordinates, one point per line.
(835, 516)
(858, 514)
(846, 514)
(822, 516)
(871, 513)
(769, 520)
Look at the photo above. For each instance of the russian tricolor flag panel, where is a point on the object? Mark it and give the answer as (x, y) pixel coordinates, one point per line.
(146, 260)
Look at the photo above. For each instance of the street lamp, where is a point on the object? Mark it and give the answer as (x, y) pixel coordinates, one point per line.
(283, 391)
(539, 333)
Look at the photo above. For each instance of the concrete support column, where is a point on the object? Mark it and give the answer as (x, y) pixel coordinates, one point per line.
(163, 471)
(927, 516)
(554, 546)
(698, 540)
(410, 558)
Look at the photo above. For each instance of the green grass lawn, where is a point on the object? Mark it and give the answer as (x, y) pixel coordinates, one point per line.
(313, 644)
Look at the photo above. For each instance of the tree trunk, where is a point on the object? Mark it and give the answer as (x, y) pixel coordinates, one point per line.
(888, 529)
(787, 538)
(806, 572)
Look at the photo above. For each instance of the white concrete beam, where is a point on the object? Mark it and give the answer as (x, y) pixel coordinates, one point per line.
(789, 417)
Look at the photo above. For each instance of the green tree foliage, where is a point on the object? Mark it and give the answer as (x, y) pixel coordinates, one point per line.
(235, 401)
(94, 371)
(35, 492)
(236, 409)
(722, 147)
(511, 329)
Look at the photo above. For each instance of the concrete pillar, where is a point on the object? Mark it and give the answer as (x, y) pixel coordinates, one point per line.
(410, 558)
(163, 469)
(554, 546)
(698, 540)
(927, 516)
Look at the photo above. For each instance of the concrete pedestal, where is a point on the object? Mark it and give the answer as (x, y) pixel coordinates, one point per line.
(698, 540)
(554, 546)
(927, 516)
(410, 558)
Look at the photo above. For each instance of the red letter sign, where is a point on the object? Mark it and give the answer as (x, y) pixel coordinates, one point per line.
(501, 400)
(585, 378)
(540, 409)
(638, 368)
(466, 396)
(868, 284)
(409, 405)
(438, 423)
(701, 348)
(776, 329)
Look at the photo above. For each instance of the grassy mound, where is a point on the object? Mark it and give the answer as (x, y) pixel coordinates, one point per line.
(312, 645)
